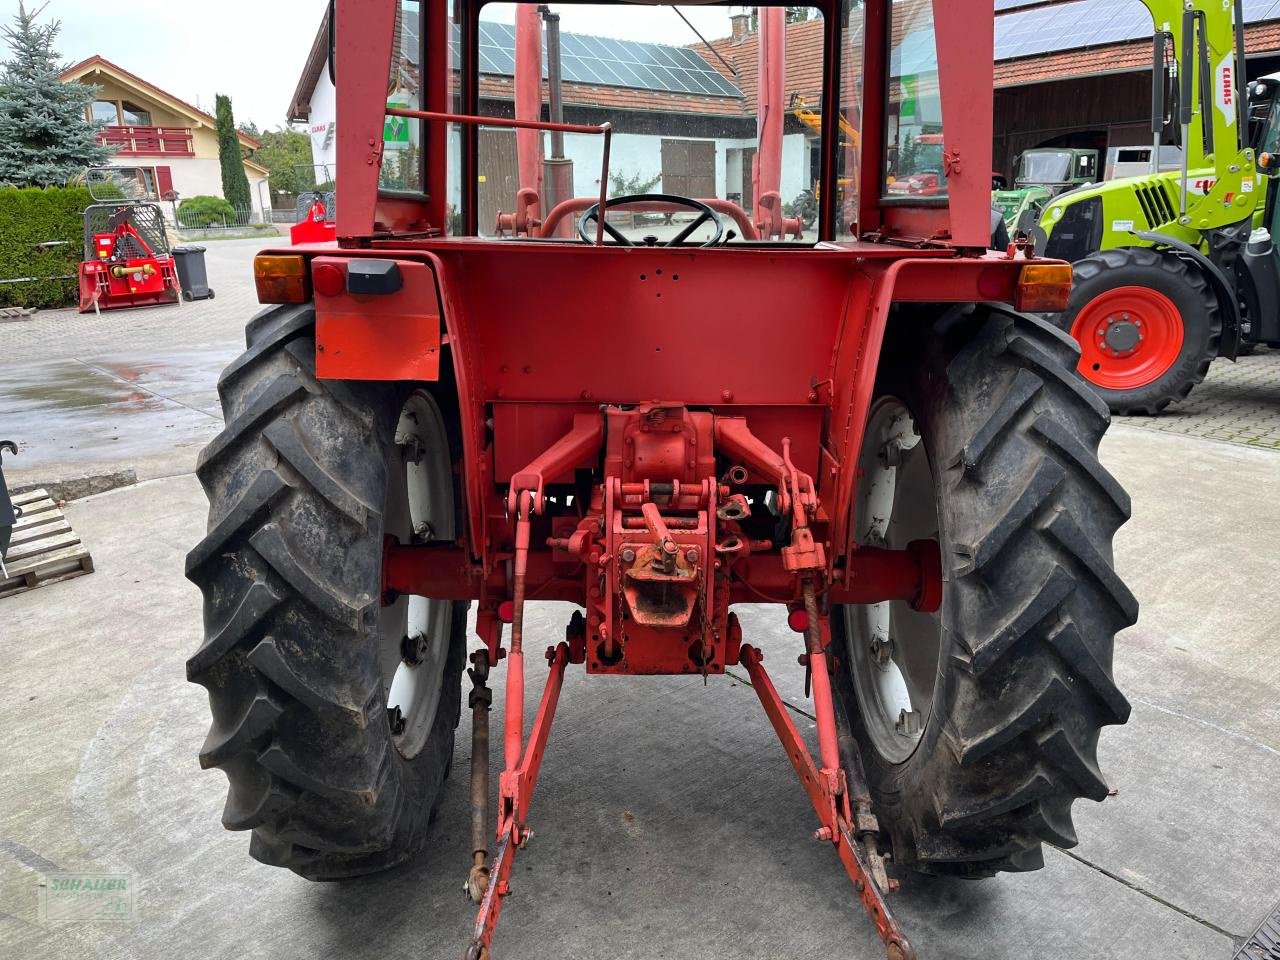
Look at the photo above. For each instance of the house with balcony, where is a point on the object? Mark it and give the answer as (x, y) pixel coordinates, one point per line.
(168, 145)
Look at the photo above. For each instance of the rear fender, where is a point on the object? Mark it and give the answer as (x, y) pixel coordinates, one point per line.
(383, 336)
(992, 279)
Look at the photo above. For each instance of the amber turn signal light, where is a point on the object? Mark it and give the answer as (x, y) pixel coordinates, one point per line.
(1043, 288)
(281, 278)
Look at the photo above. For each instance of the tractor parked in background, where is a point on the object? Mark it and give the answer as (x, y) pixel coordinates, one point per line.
(1043, 174)
(1177, 268)
(869, 432)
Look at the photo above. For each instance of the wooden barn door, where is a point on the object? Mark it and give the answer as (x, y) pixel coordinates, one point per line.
(689, 168)
(499, 176)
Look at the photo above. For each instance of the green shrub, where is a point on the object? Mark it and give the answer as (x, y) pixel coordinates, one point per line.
(32, 216)
(205, 211)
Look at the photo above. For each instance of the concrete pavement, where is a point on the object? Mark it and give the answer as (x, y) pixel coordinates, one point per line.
(86, 394)
(668, 821)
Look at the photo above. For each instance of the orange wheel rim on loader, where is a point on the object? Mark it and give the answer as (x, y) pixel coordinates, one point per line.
(1129, 337)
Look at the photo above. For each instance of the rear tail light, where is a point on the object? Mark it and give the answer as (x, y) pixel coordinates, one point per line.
(329, 279)
(281, 278)
(1043, 288)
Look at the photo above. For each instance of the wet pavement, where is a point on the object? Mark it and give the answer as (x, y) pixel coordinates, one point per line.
(130, 389)
(71, 416)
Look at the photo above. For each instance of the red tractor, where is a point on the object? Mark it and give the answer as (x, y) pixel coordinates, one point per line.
(657, 423)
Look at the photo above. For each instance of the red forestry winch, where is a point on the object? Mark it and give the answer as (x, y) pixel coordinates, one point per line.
(127, 262)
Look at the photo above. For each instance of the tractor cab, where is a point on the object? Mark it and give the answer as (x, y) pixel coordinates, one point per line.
(1043, 174)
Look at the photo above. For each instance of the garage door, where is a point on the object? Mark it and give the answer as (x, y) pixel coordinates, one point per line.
(689, 168)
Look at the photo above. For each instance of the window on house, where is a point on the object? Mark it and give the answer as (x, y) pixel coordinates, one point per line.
(106, 111)
(134, 115)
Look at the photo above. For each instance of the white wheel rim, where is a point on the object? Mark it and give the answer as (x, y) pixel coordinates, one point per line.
(418, 509)
(893, 651)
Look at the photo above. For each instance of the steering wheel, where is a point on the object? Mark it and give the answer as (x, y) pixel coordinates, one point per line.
(705, 213)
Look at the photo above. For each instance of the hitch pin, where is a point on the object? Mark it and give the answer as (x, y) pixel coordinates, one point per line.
(658, 527)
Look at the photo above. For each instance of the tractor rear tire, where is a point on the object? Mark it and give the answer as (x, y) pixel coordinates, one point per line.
(1006, 688)
(300, 651)
(1181, 327)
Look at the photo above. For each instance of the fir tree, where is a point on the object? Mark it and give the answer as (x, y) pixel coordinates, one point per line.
(235, 184)
(46, 138)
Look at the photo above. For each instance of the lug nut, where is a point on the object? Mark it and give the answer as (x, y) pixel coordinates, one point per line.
(395, 718)
(908, 723)
(413, 650)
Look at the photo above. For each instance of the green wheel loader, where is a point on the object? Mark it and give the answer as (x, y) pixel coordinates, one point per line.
(1178, 268)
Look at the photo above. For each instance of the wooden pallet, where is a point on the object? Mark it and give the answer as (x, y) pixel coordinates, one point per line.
(44, 548)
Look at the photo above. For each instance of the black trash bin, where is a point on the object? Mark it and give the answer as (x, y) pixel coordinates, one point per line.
(192, 275)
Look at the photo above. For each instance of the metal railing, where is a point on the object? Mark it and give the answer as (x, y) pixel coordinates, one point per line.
(149, 141)
(195, 222)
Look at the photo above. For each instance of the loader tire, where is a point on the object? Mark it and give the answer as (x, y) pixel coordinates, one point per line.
(300, 654)
(1119, 295)
(987, 436)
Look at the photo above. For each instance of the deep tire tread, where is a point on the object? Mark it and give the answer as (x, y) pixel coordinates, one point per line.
(289, 571)
(1034, 601)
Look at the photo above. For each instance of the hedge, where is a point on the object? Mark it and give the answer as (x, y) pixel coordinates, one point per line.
(31, 216)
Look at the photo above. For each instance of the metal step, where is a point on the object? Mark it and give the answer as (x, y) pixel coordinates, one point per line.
(1265, 942)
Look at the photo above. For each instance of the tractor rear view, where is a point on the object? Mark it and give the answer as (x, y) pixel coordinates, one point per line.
(655, 422)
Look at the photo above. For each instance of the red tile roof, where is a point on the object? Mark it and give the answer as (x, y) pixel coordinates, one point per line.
(803, 53)
(1129, 57)
(622, 98)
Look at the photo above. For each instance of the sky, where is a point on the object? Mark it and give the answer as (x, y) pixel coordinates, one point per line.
(254, 50)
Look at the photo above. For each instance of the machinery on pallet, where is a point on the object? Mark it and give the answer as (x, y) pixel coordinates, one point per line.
(127, 261)
(1043, 173)
(867, 432)
(1177, 268)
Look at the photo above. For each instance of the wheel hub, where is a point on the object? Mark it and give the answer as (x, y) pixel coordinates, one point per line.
(894, 650)
(1122, 336)
(1129, 337)
(415, 630)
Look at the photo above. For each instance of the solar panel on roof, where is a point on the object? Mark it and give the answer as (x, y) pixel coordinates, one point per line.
(1084, 23)
(604, 61)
